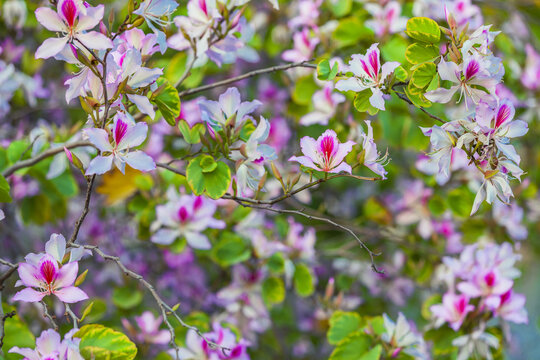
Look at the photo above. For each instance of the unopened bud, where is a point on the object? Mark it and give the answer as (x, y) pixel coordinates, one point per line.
(262, 182)
(275, 171)
(80, 278)
(329, 289)
(138, 22)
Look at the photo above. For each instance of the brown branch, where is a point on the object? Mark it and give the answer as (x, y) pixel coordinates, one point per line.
(305, 64)
(48, 316)
(86, 208)
(44, 155)
(165, 309)
(408, 101)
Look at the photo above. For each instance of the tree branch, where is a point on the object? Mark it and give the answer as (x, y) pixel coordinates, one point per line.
(51, 152)
(305, 64)
(165, 309)
(86, 208)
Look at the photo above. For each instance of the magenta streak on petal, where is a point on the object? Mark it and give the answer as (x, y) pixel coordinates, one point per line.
(120, 131)
(305, 39)
(461, 305)
(390, 14)
(183, 214)
(505, 297)
(69, 10)
(48, 271)
(472, 69)
(237, 351)
(374, 61)
(502, 115)
(259, 160)
(490, 279)
(328, 94)
(197, 203)
(202, 5)
(327, 148)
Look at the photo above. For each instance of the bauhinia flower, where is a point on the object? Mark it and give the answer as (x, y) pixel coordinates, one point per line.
(73, 20)
(154, 11)
(43, 272)
(50, 346)
(453, 310)
(387, 19)
(530, 78)
(185, 216)
(304, 45)
(325, 102)
(147, 331)
(368, 74)
(325, 154)
(372, 158)
(126, 134)
(197, 347)
(400, 335)
(509, 306)
(471, 73)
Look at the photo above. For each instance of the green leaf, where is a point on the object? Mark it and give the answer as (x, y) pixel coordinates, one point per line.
(16, 149)
(341, 7)
(373, 354)
(205, 175)
(231, 249)
(362, 104)
(437, 205)
(191, 135)
(401, 74)
(126, 297)
(423, 29)
(350, 30)
(303, 280)
(432, 300)
(16, 334)
(325, 71)
(352, 347)
(4, 190)
(460, 201)
(273, 290)
(276, 263)
(102, 343)
(418, 53)
(95, 312)
(304, 89)
(342, 324)
(87, 310)
(423, 75)
(417, 98)
(167, 101)
(377, 325)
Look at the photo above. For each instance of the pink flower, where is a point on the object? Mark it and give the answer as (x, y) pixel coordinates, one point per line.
(530, 78)
(148, 329)
(509, 306)
(304, 45)
(49, 346)
(325, 154)
(453, 310)
(387, 19)
(185, 216)
(325, 103)
(486, 283)
(43, 273)
(369, 74)
(72, 19)
(473, 71)
(372, 158)
(126, 134)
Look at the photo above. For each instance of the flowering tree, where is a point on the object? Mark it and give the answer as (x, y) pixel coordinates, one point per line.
(242, 179)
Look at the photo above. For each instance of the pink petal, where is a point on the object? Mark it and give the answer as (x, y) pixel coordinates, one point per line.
(67, 275)
(28, 273)
(51, 47)
(48, 342)
(95, 40)
(50, 19)
(29, 295)
(71, 294)
(99, 138)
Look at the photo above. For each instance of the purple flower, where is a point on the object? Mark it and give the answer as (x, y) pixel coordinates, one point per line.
(126, 134)
(325, 154)
(148, 329)
(185, 216)
(509, 306)
(72, 19)
(49, 346)
(453, 310)
(485, 283)
(304, 45)
(372, 158)
(42, 272)
(369, 74)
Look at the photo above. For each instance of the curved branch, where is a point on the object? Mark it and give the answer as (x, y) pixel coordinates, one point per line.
(44, 155)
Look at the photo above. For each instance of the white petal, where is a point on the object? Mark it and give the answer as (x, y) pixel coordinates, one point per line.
(99, 165)
(350, 84)
(140, 161)
(50, 19)
(51, 47)
(377, 99)
(99, 138)
(95, 40)
(143, 104)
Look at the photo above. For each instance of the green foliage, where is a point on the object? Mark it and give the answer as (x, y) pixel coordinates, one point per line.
(205, 175)
(99, 342)
(350, 31)
(342, 324)
(304, 283)
(4, 190)
(352, 347)
(423, 75)
(419, 53)
(167, 101)
(423, 29)
(16, 334)
(16, 150)
(362, 104)
(304, 89)
(325, 71)
(341, 7)
(192, 135)
(276, 263)
(126, 297)
(231, 249)
(273, 290)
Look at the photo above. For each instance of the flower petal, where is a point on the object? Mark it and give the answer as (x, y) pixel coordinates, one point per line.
(134, 136)
(95, 40)
(143, 104)
(71, 294)
(67, 275)
(29, 295)
(50, 19)
(99, 138)
(48, 342)
(165, 236)
(99, 165)
(441, 95)
(51, 47)
(140, 161)
(91, 19)
(56, 247)
(350, 84)
(197, 241)
(26, 273)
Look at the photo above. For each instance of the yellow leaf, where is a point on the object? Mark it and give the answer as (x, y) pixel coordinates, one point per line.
(117, 186)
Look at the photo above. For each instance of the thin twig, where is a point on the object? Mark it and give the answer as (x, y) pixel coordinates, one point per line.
(86, 208)
(165, 309)
(187, 72)
(48, 316)
(44, 155)
(305, 63)
(3, 318)
(74, 317)
(406, 99)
